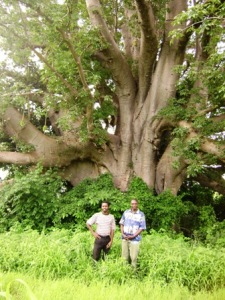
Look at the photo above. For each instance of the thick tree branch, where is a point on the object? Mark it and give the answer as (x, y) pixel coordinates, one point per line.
(219, 118)
(174, 8)
(161, 90)
(171, 55)
(18, 158)
(207, 145)
(170, 178)
(213, 180)
(95, 13)
(116, 62)
(125, 89)
(148, 46)
(204, 112)
(131, 43)
(18, 127)
(49, 151)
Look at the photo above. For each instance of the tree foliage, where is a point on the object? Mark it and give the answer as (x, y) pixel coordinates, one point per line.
(41, 200)
(132, 88)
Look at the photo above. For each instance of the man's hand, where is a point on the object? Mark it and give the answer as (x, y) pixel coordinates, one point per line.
(124, 236)
(96, 235)
(109, 245)
(128, 237)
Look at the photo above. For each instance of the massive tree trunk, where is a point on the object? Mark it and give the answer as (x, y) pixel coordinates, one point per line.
(141, 100)
(143, 78)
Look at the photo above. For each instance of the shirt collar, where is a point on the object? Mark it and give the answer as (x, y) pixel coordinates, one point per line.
(137, 212)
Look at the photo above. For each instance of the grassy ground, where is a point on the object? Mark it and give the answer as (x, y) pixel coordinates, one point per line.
(67, 289)
(58, 266)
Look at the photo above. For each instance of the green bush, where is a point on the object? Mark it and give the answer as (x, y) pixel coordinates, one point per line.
(78, 204)
(205, 209)
(215, 235)
(40, 200)
(84, 200)
(31, 199)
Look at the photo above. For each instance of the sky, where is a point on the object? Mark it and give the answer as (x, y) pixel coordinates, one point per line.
(2, 55)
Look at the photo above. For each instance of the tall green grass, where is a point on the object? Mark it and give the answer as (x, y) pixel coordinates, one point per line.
(30, 288)
(163, 261)
(186, 263)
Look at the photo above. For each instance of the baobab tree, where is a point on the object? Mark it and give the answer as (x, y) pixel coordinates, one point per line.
(133, 88)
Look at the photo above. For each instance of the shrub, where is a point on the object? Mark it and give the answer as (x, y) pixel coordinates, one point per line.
(78, 204)
(40, 200)
(31, 199)
(82, 201)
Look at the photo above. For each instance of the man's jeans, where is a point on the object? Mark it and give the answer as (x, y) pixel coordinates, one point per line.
(130, 250)
(99, 245)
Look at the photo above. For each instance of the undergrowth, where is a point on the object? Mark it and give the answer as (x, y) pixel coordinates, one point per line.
(64, 254)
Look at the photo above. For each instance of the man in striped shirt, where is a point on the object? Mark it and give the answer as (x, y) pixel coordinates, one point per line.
(104, 230)
(132, 224)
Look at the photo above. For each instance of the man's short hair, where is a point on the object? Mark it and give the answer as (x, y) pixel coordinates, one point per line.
(105, 201)
(134, 200)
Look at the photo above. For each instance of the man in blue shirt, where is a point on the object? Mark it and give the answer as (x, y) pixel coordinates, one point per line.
(132, 224)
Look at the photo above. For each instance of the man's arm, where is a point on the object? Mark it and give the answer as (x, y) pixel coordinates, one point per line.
(112, 231)
(111, 238)
(95, 235)
(122, 232)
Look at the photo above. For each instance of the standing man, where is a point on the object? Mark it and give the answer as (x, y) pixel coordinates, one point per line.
(132, 224)
(104, 231)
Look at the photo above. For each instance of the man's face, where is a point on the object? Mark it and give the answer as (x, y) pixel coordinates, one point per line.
(134, 205)
(105, 207)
